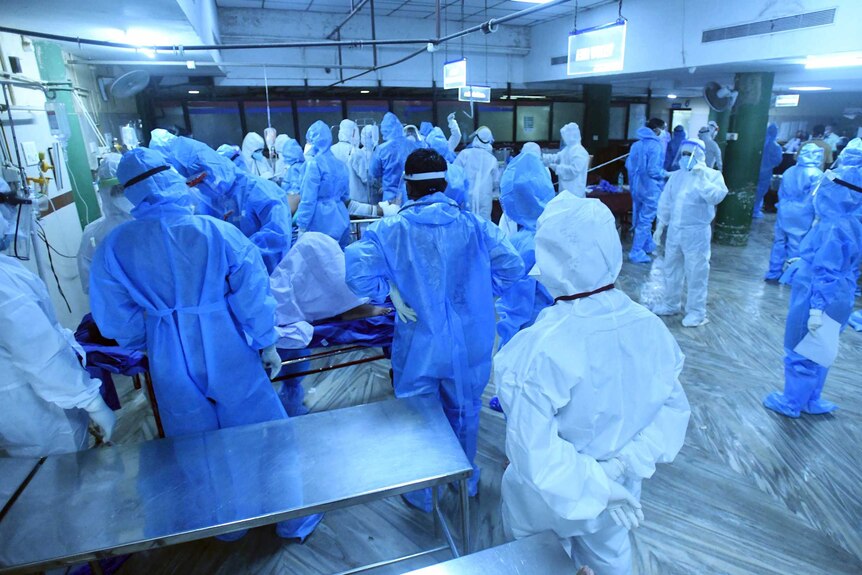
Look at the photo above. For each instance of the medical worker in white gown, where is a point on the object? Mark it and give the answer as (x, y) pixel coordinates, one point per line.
(591, 393)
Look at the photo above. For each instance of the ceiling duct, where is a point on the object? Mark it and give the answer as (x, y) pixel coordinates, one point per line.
(762, 27)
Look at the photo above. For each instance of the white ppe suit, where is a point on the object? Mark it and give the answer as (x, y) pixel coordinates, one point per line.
(594, 380)
(482, 171)
(252, 153)
(368, 191)
(686, 208)
(115, 211)
(571, 163)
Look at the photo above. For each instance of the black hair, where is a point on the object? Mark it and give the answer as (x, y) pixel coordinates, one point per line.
(655, 123)
(423, 161)
(818, 130)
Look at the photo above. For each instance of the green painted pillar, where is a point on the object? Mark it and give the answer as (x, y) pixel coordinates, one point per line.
(52, 68)
(748, 120)
(597, 117)
(723, 121)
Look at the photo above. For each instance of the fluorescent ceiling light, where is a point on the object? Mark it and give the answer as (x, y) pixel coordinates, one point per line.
(516, 97)
(671, 96)
(194, 91)
(191, 65)
(364, 91)
(809, 88)
(842, 60)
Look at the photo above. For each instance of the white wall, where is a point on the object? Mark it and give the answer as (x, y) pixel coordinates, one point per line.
(660, 108)
(61, 227)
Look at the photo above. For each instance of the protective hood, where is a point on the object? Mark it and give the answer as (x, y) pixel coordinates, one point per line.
(110, 187)
(439, 143)
(851, 155)
(571, 134)
(319, 136)
(370, 136)
(705, 134)
(161, 187)
(433, 210)
(193, 158)
(391, 127)
(578, 248)
(290, 151)
(309, 283)
(348, 132)
(645, 133)
(425, 128)
(810, 156)
(253, 142)
(482, 138)
(678, 134)
(771, 132)
(525, 189)
(279, 143)
(697, 150)
(531, 148)
(232, 153)
(160, 141)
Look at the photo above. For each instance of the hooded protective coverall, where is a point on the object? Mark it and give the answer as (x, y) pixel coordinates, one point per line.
(115, 211)
(594, 381)
(324, 188)
(387, 162)
(348, 141)
(795, 208)
(457, 186)
(193, 292)
(482, 171)
(646, 161)
(280, 166)
(686, 209)
(291, 155)
(768, 162)
(671, 159)
(713, 151)
(572, 162)
(232, 153)
(823, 282)
(360, 167)
(252, 153)
(449, 265)
(525, 189)
(254, 205)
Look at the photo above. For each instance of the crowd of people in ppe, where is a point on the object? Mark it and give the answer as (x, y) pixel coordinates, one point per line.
(210, 261)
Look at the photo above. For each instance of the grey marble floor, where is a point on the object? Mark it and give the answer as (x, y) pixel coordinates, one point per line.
(751, 492)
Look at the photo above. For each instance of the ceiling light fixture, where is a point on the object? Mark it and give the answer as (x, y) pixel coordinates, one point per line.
(809, 88)
(194, 91)
(364, 91)
(191, 65)
(842, 60)
(671, 96)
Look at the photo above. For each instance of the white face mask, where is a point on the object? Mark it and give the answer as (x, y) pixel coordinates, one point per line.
(687, 163)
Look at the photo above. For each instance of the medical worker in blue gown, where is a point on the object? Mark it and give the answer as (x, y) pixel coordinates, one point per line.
(193, 292)
(646, 162)
(291, 154)
(823, 282)
(234, 154)
(457, 186)
(525, 189)
(447, 265)
(770, 159)
(324, 189)
(387, 163)
(795, 208)
(254, 205)
(671, 158)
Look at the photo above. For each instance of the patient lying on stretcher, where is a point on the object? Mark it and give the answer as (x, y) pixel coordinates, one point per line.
(308, 286)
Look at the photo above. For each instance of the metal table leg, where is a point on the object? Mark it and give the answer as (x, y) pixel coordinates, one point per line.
(465, 517)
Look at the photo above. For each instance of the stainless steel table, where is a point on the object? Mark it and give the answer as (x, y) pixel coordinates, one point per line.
(539, 554)
(14, 472)
(122, 499)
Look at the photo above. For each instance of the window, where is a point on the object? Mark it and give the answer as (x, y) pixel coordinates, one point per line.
(369, 112)
(637, 119)
(533, 123)
(309, 111)
(565, 112)
(281, 115)
(168, 115)
(617, 123)
(415, 112)
(499, 118)
(216, 123)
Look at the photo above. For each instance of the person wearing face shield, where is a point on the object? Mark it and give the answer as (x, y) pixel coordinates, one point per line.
(572, 162)
(291, 155)
(686, 209)
(768, 162)
(116, 209)
(671, 160)
(234, 154)
(482, 171)
(46, 397)
(591, 393)
(368, 192)
(324, 189)
(280, 168)
(795, 208)
(252, 153)
(457, 186)
(650, 177)
(193, 292)
(525, 190)
(443, 267)
(387, 162)
(823, 282)
(713, 152)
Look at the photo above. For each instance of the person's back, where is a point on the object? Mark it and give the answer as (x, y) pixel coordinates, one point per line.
(482, 171)
(647, 189)
(594, 352)
(458, 186)
(387, 161)
(671, 159)
(324, 188)
(713, 151)
(769, 160)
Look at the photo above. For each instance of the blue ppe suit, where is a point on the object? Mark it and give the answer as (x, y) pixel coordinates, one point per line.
(647, 163)
(671, 159)
(525, 189)
(425, 129)
(768, 162)
(387, 162)
(193, 292)
(234, 154)
(448, 265)
(295, 161)
(457, 185)
(325, 188)
(254, 205)
(824, 278)
(795, 208)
